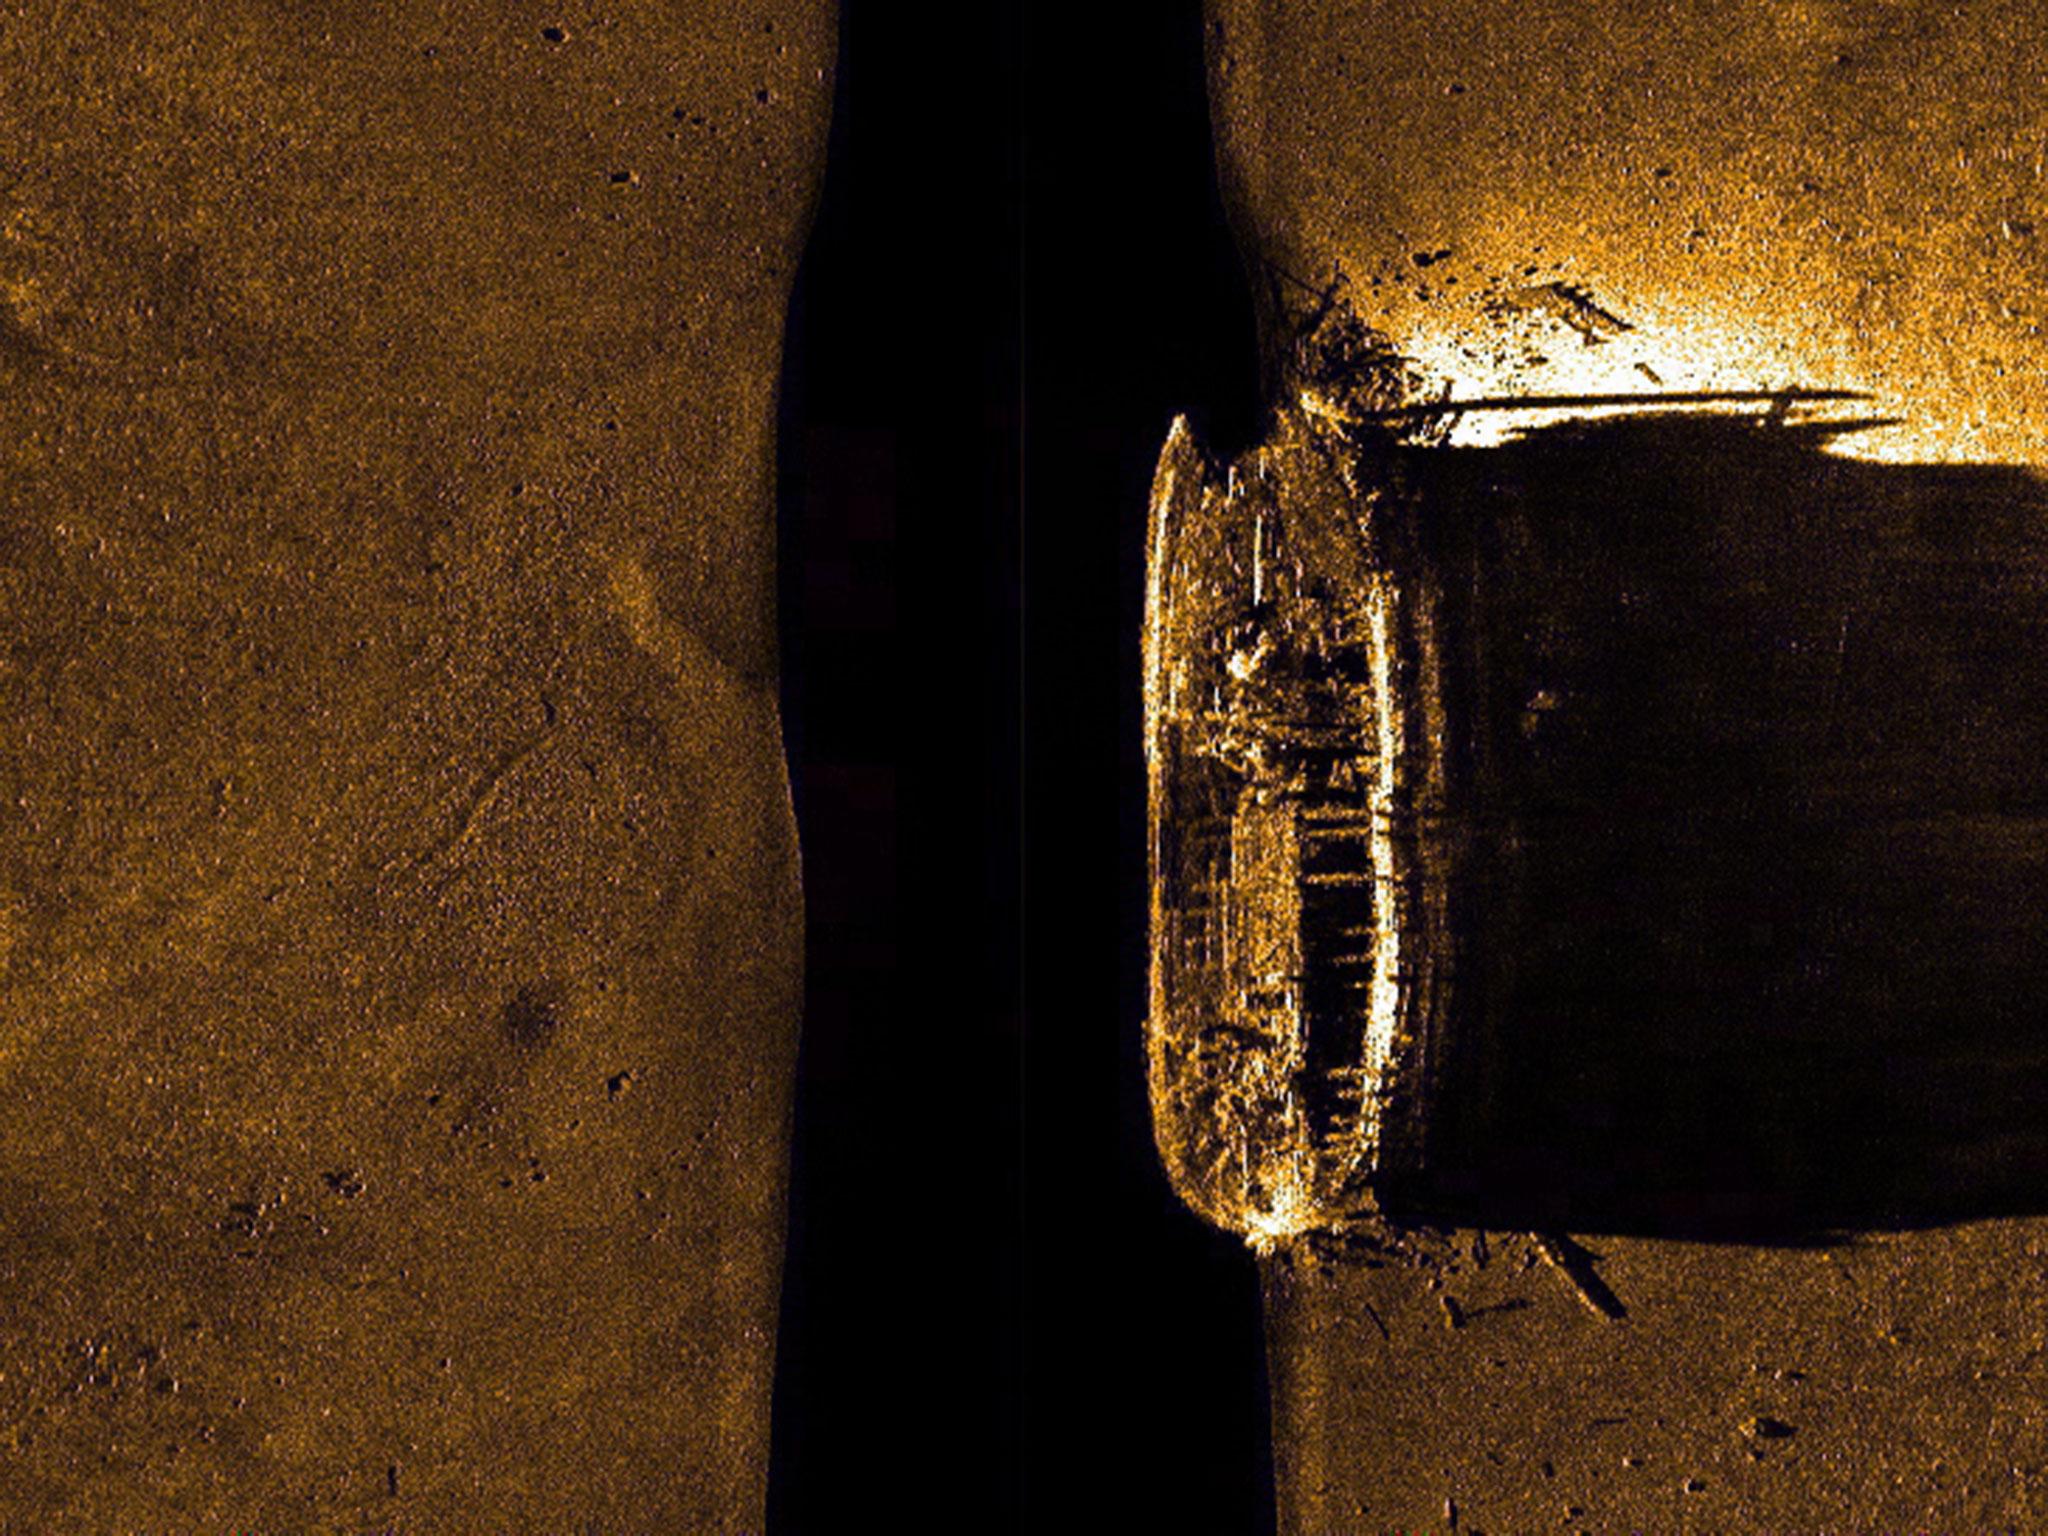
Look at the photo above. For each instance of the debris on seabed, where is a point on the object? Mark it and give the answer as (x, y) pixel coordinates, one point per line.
(1573, 306)
(1576, 1265)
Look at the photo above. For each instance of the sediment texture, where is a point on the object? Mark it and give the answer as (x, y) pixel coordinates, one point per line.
(399, 925)
(1560, 197)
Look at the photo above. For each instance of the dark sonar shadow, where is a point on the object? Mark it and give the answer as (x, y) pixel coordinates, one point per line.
(1749, 741)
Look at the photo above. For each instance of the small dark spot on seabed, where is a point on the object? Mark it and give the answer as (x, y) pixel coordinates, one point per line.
(616, 1085)
(532, 1016)
(345, 1182)
(641, 730)
(1764, 1427)
(554, 34)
